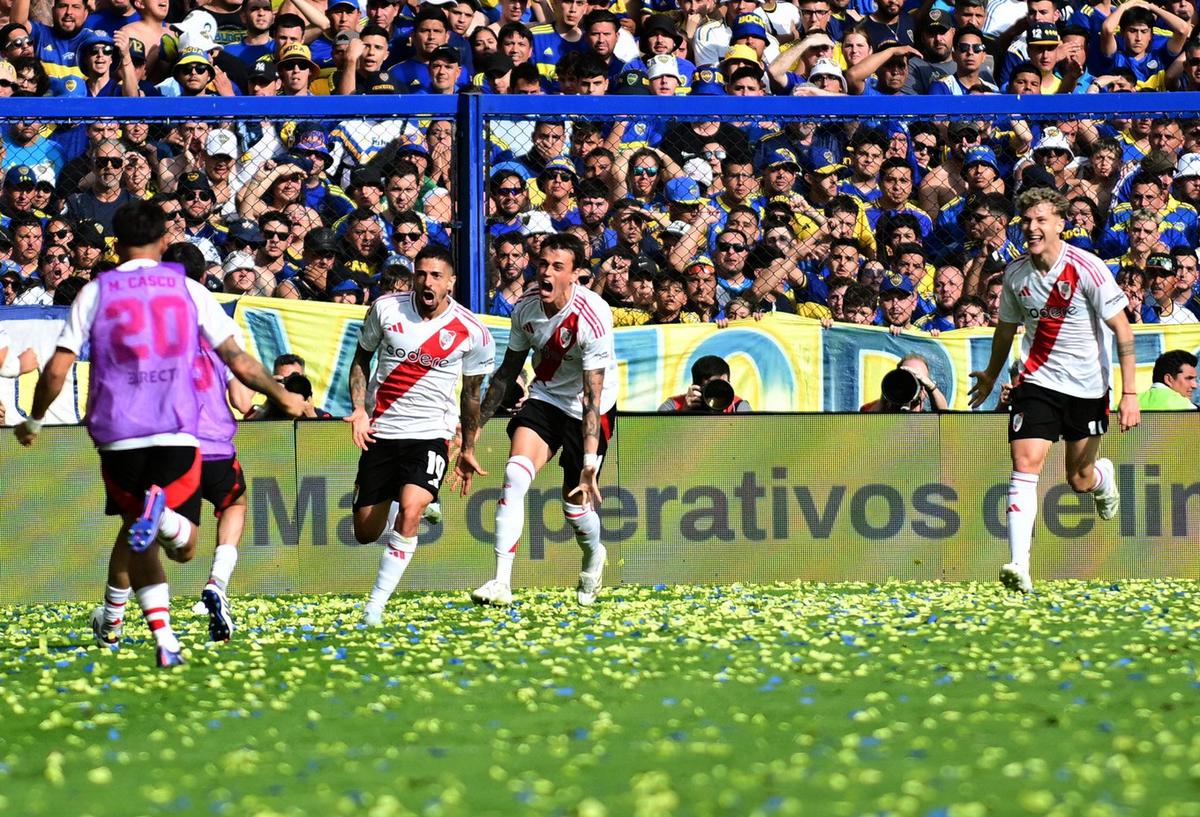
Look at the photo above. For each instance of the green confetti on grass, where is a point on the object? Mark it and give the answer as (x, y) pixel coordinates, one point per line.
(899, 699)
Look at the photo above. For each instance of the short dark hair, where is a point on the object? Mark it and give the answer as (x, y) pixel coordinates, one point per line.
(409, 217)
(1171, 363)
(859, 295)
(297, 383)
(372, 30)
(512, 237)
(188, 256)
(964, 31)
(139, 224)
(288, 360)
(435, 252)
(288, 20)
(894, 162)
(591, 188)
(274, 215)
(708, 367)
(567, 243)
(1142, 177)
(514, 28)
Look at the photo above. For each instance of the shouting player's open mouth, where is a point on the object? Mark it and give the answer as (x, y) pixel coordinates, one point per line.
(427, 297)
(546, 289)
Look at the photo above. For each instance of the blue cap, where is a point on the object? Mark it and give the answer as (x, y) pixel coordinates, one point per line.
(707, 80)
(981, 154)
(332, 4)
(21, 174)
(782, 156)
(822, 161)
(683, 191)
(243, 229)
(348, 285)
(302, 162)
(560, 163)
(895, 282)
(748, 25)
(398, 260)
(516, 167)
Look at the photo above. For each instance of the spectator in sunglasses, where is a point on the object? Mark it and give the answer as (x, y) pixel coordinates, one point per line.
(969, 54)
(8, 79)
(54, 267)
(88, 248)
(408, 235)
(101, 200)
(58, 232)
(276, 229)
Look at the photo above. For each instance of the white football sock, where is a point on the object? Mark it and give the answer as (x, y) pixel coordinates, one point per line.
(174, 530)
(1022, 511)
(224, 559)
(586, 522)
(510, 514)
(396, 555)
(115, 599)
(1102, 478)
(155, 600)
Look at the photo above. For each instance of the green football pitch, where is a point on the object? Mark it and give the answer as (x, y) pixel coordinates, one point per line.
(851, 699)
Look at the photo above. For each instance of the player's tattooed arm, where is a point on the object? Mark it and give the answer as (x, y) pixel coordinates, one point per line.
(360, 367)
(502, 380)
(469, 410)
(1125, 348)
(593, 386)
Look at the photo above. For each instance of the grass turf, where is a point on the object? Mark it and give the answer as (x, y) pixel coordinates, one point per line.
(894, 699)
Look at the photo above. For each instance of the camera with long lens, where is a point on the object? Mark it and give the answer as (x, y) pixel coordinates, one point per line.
(716, 395)
(901, 390)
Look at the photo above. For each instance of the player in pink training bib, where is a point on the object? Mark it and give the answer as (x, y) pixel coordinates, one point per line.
(571, 406)
(144, 322)
(1070, 306)
(404, 419)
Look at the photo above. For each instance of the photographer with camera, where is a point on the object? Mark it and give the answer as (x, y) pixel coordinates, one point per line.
(710, 392)
(908, 387)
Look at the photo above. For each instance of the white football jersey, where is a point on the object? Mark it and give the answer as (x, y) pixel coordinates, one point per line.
(1066, 342)
(578, 338)
(411, 394)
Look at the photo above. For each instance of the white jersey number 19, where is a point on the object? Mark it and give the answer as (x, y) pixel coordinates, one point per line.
(435, 467)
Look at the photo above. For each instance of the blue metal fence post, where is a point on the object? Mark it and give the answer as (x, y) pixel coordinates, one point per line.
(469, 187)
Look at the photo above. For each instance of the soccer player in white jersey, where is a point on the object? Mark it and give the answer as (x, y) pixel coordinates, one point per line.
(425, 342)
(571, 406)
(1070, 306)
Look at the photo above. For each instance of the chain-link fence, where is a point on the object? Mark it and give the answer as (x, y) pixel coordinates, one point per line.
(331, 205)
(903, 220)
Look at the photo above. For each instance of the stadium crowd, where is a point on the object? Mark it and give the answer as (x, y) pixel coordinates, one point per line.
(901, 222)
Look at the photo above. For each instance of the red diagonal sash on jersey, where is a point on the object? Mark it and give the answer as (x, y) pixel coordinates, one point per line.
(561, 340)
(408, 372)
(1050, 324)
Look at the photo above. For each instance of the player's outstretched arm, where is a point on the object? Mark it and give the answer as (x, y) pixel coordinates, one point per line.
(49, 386)
(466, 466)
(248, 370)
(360, 423)
(1128, 411)
(588, 489)
(504, 379)
(985, 381)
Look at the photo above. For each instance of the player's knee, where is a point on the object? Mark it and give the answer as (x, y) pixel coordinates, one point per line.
(364, 531)
(410, 515)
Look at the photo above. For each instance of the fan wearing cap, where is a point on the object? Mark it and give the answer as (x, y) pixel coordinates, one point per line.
(256, 17)
(1162, 285)
(659, 36)
(56, 45)
(197, 204)
(946, 182)
(981, 172)
(554, 39)
(1137, 49)
(935, 41)
(1053, 152)
(18, 197)
(341, 16)
(322, 251)
(714, 38)
(788, 72)
(557, 184)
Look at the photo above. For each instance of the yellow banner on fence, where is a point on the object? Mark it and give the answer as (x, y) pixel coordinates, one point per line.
(780, 363)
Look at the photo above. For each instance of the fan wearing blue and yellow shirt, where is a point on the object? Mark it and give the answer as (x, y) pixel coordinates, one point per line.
(552, 40)
(1136, 49)
(56, 45)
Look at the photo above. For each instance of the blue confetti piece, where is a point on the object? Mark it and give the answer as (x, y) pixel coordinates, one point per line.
(564, 692)
(455, 661)
(340, 654)
(1123, 662)
(579, 733)
(113, 734)
(660, 587)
